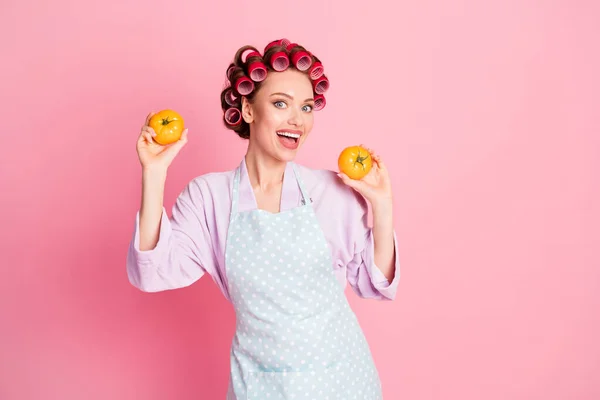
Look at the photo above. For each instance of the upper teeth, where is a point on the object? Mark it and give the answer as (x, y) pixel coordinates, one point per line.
(288, 134)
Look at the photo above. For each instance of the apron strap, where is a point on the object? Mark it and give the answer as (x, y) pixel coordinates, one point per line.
(305, 197)
(235, 194)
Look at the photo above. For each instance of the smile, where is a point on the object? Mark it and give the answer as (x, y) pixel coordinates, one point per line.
(289, 139)
(289, 134)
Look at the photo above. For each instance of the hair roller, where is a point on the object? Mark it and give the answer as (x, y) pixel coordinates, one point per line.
(230, 98)
(257, 71)
(319, 102)
(279, 61)
(231, 70)
(316, 70)
(256, 68)
(273, 43)
(242, 54)
(249, 53)
(301, 60)
(290, 46)
(321, 85)
(279, 42)
(244, 86)
(232, 117)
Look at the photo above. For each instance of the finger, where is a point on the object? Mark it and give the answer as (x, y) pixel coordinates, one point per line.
(149, 129)
(141, 138)
(145, 138)
(184, 135)
(147, 133)
(174, 148)
(148, 117)
(377, 161)
(353, 183)
(370, 150)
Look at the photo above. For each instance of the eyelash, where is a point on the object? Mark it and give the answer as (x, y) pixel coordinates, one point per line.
(281, 101)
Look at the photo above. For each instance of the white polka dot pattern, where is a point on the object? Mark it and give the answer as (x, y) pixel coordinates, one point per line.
(296, 335)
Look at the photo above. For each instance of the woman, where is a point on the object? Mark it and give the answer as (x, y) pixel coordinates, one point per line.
(279, 239)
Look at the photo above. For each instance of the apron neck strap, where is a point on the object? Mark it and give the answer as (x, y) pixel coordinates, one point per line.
(235, 195)
(305, 197)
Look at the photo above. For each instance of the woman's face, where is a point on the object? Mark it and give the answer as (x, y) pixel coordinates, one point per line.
(281, 114)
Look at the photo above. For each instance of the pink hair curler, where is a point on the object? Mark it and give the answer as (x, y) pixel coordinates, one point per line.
(279, 42)
(289, 46)
(230, 98)
(244, 86)
(319, 102)
(248, 54)
(280, 61)
(321, 85)
(233, 117)
(257, 71)
(316, 71)
(230, 71)
(284, 42)
(301, 60)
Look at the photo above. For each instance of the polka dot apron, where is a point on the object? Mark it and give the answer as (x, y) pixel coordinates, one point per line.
(296, 336)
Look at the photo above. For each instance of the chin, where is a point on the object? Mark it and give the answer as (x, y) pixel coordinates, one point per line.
(286, 155)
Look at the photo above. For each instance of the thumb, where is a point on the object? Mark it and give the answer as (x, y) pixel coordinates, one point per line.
(174, 148)
(353, 183)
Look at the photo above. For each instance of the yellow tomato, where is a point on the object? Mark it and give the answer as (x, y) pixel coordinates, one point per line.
(168, 126)
(355, 161)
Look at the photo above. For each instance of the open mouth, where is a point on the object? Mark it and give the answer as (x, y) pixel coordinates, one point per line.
(288, 135)
(289, 139)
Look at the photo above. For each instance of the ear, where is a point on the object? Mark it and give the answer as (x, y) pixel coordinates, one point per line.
(247, 111)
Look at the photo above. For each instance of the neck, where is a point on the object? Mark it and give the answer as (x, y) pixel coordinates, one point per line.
(264, 172)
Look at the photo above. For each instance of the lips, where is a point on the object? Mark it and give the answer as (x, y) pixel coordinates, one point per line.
(289, 138)
(290, 133)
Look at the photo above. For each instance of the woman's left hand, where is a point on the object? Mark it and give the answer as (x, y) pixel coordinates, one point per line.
(375, 186)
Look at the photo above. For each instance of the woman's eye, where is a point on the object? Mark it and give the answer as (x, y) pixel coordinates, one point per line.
(307, 108)
(279, 104)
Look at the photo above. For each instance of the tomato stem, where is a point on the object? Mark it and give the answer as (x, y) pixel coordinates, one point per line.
(165, 121)
(360, 159)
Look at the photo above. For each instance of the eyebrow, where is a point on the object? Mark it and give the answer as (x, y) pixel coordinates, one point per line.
(289, 97)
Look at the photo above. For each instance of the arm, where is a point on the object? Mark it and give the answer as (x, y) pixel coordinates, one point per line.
(151, 209)
(374, 269)
(383, 237)
(371, 253)
(169, 253)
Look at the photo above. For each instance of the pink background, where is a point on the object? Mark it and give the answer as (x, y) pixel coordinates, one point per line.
(486, 114)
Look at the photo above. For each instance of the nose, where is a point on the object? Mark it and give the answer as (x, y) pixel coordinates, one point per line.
(295, 117)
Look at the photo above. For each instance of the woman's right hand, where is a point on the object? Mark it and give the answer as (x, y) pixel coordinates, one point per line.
(154, 156)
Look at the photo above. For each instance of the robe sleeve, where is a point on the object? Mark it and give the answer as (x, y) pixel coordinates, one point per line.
(184, 252)
(363, 275)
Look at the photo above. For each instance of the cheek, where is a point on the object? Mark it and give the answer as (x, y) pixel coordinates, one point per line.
(308, 122)
(270, 118)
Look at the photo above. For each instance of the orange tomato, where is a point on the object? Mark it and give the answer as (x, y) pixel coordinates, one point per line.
(355, 161)
(168, 126)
